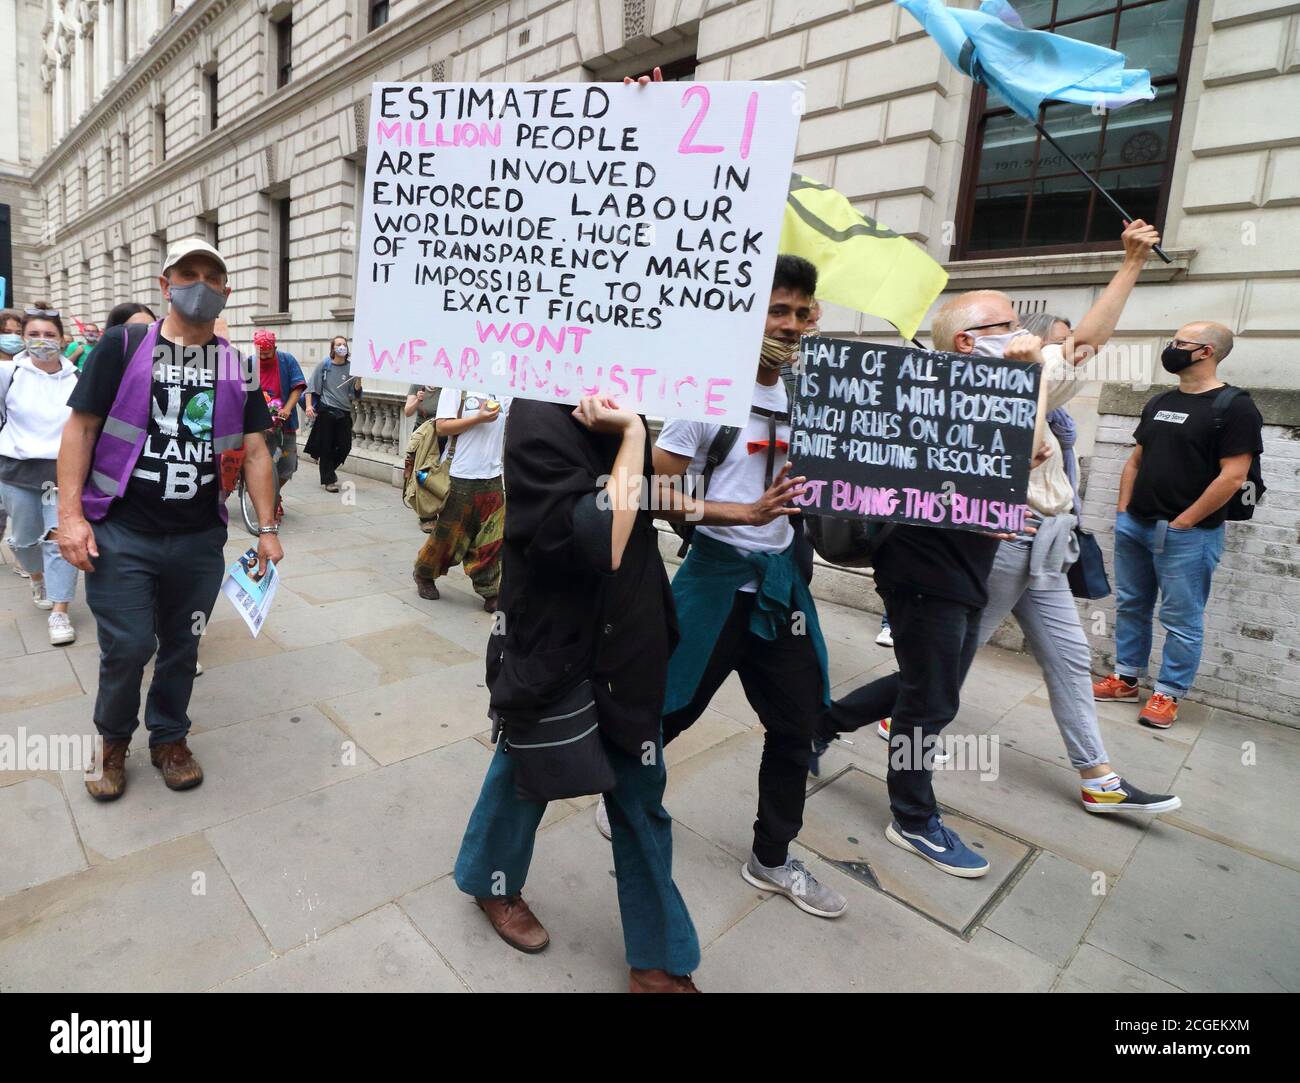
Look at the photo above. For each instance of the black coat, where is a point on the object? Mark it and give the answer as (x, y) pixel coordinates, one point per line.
(567, 616)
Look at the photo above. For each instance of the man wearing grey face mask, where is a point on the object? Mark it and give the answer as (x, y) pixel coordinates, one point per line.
(162, 419)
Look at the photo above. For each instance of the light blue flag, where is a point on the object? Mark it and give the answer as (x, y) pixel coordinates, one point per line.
(1027, 67)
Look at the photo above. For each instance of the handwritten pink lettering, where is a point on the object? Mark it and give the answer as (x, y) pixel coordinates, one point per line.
(416, 134)
(524, 335)
(711, 397)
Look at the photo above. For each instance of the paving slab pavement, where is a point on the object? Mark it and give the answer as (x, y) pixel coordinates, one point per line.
(345, 746)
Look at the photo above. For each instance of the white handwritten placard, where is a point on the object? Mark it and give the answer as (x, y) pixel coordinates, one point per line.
(554, 240)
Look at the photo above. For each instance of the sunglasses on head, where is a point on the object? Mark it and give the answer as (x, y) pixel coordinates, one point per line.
(52, 313)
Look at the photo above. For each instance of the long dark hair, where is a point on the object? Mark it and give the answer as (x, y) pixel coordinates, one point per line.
(123, 312)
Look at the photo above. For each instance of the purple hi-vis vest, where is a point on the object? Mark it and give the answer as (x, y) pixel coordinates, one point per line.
(127, 425)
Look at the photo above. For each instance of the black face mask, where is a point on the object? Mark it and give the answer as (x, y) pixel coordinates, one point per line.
(1175, 360)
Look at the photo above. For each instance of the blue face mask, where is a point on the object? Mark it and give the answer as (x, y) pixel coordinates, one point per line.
(11, 344)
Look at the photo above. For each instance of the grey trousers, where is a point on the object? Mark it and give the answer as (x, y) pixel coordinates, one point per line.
(1051, 625)
(150, 592)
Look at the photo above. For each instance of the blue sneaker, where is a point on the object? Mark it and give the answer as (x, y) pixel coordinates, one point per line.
(941, 847)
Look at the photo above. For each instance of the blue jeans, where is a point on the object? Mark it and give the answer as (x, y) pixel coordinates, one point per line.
(33, 513)
(498, 847)
(1152, 558)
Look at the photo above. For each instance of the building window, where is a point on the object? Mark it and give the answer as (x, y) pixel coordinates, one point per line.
(90, 66)
(160, 135)
(83, 177)
(281, 219)
(1019, 194)
(378, 13)
(210, 87)
(122, 275)
(6, 258)
(284, 51)
(674, 71)
(212, 231)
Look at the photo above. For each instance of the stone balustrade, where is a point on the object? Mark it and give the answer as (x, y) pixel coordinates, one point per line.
(377, 423)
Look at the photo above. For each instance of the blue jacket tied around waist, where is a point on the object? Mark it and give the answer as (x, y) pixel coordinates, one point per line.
(704, 591)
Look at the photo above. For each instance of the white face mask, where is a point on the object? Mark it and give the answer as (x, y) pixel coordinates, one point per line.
(996, 345)
(341, 351)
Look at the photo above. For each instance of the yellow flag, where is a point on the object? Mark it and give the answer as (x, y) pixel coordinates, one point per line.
(860, 264)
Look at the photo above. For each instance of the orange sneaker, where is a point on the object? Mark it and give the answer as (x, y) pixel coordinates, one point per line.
(1114, 687)
(1161, 711)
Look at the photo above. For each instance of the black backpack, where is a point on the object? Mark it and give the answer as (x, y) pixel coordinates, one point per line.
(1246, 499)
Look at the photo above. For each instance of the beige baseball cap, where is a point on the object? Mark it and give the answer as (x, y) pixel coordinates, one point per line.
(189, 246)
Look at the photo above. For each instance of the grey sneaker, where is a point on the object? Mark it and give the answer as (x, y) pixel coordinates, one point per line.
(796, 883)
(39, 598)
(602, 820)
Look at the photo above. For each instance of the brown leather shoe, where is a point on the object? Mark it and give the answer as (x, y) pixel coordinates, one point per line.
(660, 981)
(180, 770)
(112, 784)
(425, 588)
(515, 923)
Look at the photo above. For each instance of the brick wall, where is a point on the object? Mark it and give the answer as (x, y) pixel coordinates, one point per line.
(1251, 659)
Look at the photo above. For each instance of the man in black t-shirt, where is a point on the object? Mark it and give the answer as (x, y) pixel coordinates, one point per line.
(141, 511)
(1173, 501)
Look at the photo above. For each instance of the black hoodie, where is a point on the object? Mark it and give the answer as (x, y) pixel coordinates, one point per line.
(567, 616)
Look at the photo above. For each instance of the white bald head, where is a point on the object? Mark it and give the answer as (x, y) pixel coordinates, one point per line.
(951, 325)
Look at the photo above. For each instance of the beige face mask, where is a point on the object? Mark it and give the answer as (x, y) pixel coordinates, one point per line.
(774, 353)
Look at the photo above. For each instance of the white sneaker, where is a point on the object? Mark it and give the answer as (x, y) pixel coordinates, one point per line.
(38, 595)
(61, 630)
(602, 820)
(198, 669)
(884, 638)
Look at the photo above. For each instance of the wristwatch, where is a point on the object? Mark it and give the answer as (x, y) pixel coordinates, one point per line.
(269, 529)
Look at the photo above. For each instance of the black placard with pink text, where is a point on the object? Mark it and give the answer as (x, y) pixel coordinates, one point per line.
(905, 435)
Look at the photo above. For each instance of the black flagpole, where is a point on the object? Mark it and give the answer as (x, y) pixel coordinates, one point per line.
(1093, 181)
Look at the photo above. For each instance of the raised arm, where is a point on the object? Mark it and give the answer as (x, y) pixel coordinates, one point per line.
(1096, 327)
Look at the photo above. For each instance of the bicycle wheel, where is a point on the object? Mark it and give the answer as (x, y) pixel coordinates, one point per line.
(246, 509)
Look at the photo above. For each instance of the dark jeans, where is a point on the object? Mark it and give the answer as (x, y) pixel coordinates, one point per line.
(782, 681)
(150, 592)
(934, 643)
(330, 443)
